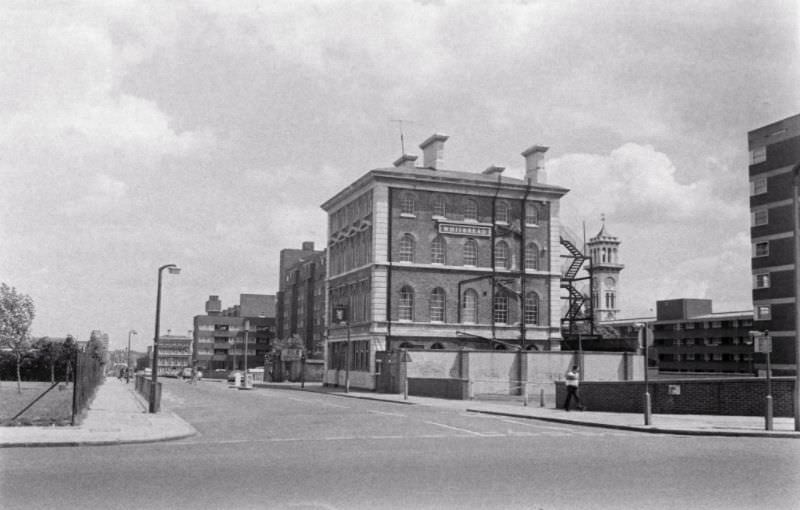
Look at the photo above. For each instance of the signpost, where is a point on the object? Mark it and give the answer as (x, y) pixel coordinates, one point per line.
(763, 343)
(405, 359)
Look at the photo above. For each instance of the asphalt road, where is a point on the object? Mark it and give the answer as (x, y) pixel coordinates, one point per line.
(272, 448)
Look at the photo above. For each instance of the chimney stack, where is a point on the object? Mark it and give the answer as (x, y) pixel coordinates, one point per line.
(533, 161)
(308, 246)
(433, 151)
(405, 161)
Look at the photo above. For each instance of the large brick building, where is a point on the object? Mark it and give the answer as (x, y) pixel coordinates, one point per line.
(219, 335)
(423, 257)
(301, 298)
(774, 152)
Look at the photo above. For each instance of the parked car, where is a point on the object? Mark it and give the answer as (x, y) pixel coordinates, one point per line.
(232, 375)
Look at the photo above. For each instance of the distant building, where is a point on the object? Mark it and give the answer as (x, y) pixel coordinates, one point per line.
(422, 257)
(174, 353)
(301, 298)
(220, 335)
(689, 337)
(774, 153)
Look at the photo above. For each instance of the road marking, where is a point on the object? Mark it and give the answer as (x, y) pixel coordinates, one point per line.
(467, 431)
(385, 413)
(536, 425)
(324, 404)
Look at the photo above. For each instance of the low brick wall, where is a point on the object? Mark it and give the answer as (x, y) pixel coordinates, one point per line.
(456, 389)
(734, 397)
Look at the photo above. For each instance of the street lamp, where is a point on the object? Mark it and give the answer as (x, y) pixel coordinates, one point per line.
(796, 222)
(762, 343)
(173, 269)
(641, 327)
(248, 385)
(128, 372)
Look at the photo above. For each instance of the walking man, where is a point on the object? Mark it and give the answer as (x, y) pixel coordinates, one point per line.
(572, 389)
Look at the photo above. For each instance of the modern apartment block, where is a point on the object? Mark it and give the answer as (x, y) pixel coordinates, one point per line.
(301, 298)
(220, 335)
(423, 257)
(174, 353)
(689, 337)
(774, 153)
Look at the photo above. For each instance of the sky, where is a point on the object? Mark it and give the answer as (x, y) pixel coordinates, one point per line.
(207, 134)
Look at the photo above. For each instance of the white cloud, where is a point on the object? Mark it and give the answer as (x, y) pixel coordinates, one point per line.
(634, 183)
(103, 194)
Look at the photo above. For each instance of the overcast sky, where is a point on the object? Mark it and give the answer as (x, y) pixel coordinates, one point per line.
(207, 134)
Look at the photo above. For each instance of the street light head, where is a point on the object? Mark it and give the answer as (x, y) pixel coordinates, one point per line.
(174, 270)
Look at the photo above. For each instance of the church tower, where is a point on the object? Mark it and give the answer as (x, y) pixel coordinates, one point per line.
(603, 252)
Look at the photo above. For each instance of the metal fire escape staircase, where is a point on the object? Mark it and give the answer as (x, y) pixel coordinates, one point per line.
(576, 299)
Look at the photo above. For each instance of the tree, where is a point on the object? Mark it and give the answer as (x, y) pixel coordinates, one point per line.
(50, 353)
(68, 355)
(16, 315)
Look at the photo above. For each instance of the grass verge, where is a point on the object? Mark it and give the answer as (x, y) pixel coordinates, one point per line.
(55, 408)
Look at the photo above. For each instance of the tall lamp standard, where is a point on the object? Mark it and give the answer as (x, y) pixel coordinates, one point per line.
(128, 362)
(173, 269)
(763, 344)
(796, 222)
(641, 327)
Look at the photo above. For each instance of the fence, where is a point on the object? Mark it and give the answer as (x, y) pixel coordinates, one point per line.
(88, 375)
(144, 388)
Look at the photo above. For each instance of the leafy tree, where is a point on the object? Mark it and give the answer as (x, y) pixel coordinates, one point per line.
(96, 347)
(50, 353)
(16, 315)
(68, 351)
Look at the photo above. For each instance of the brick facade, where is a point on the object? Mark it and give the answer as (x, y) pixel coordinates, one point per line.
(734, 397)
(431, 258)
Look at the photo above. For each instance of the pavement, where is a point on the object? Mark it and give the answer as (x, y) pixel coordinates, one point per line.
(118, 415)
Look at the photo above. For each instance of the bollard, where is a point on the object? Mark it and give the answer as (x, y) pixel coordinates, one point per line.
(541, 397)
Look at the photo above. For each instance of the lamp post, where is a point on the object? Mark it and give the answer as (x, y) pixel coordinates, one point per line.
(762, 343)
(641, 327)
(128, 361)
(340, 316)
(173, 269)
(248, 385)
(796, 222)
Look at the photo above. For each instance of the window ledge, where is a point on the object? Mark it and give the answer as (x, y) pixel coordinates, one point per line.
(407, 215)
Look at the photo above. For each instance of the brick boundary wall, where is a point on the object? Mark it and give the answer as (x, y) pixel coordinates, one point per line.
(733, 397)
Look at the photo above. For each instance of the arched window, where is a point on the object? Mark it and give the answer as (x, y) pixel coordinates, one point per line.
(405, 308)
(471, 252)
(531, 308)
(531, 256)
(531, 214)
(501, 258)
(469, 311)
(437, 305)
(439, 207)
(501, 212)
(437, 345)
(406, 251)
(438, 251)
(470, 210)
(501, 309)
(408, 204)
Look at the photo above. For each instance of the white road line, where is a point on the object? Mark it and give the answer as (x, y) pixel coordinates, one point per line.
(324, 404)
(536, 425)
(385, 413)
(472, 432)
